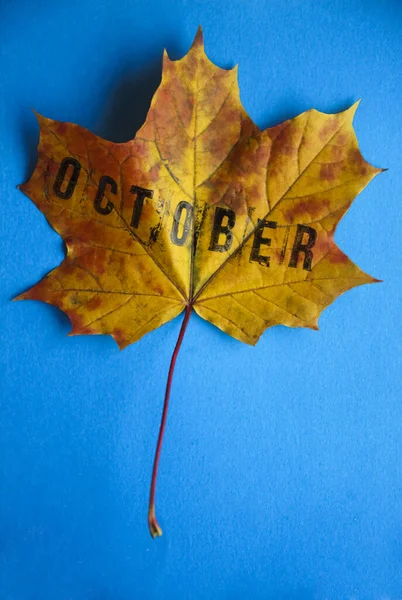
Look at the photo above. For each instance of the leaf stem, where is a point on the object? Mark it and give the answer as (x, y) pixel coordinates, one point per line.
(153, 525)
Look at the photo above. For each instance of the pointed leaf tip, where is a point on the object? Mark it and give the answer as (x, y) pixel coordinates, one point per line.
(199, 39)
(351, 111)
(40, 118)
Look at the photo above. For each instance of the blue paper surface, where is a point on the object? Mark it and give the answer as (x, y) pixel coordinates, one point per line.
(281, 472)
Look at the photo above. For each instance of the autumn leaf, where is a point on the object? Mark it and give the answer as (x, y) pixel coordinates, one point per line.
(201, 211)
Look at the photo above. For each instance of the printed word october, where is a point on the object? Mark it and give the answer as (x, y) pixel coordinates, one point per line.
(224, 220)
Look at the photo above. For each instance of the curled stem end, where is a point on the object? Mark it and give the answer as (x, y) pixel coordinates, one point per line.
(153, 525)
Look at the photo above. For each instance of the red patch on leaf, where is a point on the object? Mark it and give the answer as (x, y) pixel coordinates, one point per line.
(120, 336)
(61, 128)
(77, 321)
(274, 132)
(88, 330)
(94, 262)
(154, 173)
(304, 208)
(337, 257)
(94, 303)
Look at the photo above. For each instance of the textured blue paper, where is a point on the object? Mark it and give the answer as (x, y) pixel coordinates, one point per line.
(281, 470)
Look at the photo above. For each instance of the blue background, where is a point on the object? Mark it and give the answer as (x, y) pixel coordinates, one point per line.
(281, 469)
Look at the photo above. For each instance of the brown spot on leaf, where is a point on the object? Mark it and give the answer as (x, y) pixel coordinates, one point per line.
(330, 127)
(342, 138)
(328, 172)
(356, 157)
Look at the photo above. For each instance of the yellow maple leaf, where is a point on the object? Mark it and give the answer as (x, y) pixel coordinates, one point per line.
(201, 211)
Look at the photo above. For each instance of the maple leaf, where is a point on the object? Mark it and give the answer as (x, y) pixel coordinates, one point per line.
(201, 211)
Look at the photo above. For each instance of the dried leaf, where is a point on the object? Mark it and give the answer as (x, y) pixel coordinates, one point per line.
(201, 211)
